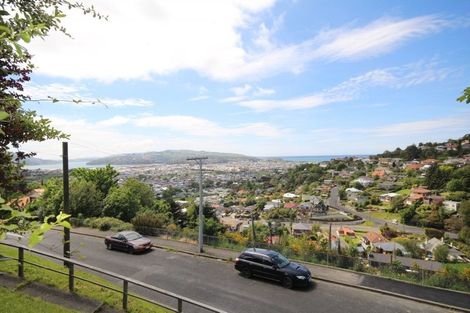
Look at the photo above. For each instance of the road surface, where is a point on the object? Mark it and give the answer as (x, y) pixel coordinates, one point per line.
(216, 283)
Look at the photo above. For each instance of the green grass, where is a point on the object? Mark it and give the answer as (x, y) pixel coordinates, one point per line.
(458, 266)
(385, 215)
(34, 273)
(368, 224)
(18, 302)
(404, 192)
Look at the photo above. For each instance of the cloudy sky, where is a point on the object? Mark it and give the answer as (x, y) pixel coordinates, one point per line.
(258, 77)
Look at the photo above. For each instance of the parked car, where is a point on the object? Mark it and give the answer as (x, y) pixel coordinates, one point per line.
(129, 241)
(272, 265)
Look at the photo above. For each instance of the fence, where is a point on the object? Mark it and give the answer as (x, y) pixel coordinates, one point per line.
(414, 270)
(71, 264)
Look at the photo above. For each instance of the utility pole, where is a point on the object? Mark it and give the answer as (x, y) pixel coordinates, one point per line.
(65, 179)
(201, 203)
(253, 229)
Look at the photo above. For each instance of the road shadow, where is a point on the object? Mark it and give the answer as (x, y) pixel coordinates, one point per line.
(310, 287)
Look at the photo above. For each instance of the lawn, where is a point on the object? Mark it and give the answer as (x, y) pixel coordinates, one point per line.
(404, 192)
(368, 224)
(18, 302)
(458, 266)
(34, 273)
(385, 215)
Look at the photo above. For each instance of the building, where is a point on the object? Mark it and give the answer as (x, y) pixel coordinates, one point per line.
(388, 197)
(299, 229)
(364, 181)
(451, 206)
(345, 231)
(417, 194)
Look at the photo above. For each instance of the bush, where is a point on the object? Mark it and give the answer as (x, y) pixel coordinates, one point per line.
(149, 223)
(108, 223)
(432, 232)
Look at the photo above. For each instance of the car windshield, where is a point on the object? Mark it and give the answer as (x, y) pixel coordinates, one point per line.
(280, 260)
(132, 236)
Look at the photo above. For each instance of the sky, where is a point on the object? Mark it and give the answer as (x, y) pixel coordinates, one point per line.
(258, 77)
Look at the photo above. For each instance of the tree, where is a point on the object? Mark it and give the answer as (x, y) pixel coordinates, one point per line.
(21, 20)
(438, 176)
(397, 204)
(413, 248)
(465, 97)
(142, 191)
(440, 253)
(121, 203)
(85, 199)
(104, 177)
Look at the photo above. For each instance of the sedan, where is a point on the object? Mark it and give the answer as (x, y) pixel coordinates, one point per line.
(129, 241)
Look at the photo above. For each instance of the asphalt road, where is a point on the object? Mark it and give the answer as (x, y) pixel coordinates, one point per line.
(217, 283)
(334, 201)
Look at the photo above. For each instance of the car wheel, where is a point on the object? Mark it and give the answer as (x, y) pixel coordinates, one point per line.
(246, 272)
(287, 282)
(130, 250)
(109, 246)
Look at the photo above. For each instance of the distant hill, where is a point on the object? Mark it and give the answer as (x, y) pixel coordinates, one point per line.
(170, 157)
(37, 161)
(449, 148)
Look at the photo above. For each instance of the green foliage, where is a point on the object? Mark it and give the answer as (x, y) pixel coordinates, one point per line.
(465, 97)
(108, 223)
(121, 203)
(438, 176)
(455, 185)
(49, 222)
(440, 253)
(433, 233)
(413, 248)
(85, 198)
(143, 192)
(397, 204)
(104, 178)
(149, 223)
(388, 232)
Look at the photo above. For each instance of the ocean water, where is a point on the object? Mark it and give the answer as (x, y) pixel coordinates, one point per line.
(317, 158)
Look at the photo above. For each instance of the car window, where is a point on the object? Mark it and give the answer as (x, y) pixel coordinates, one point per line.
(267, 262)
(280, 260)
(132, 236)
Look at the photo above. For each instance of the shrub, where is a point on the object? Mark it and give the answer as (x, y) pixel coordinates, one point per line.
(432, 232)
(107, 223)
(149, 223)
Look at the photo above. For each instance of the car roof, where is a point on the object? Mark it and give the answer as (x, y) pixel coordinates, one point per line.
(258, 251)
(126, 232)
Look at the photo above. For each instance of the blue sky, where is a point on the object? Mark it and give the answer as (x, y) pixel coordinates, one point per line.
(260, 77)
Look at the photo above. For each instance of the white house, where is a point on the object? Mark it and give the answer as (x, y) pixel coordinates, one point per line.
(290, 195)
(451, 206)
(365, 181)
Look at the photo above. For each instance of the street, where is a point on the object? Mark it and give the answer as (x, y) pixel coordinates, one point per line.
(217, 283)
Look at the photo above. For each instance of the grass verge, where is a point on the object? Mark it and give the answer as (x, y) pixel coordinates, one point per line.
(16, 301)
(34, 273)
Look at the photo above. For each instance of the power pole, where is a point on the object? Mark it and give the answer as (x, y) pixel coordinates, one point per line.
(65, 179)
(201, 203)
(253, 229)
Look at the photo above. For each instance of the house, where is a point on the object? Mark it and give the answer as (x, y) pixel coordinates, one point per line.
(379, 172)
(433, 200)
(289, 195)
(429, 162)
(371, 238)
(364, 181)
(451, 206)
(345, 231)
(414, 166)
(430, 245)
(387, 247)
(417, 194)
(319, 208)
(388, 197)
(299, 229)
(23, 201)
(306, 206)
(378, 259)
(352, 191)
(387, 185)
(290, 205)
(231, 223)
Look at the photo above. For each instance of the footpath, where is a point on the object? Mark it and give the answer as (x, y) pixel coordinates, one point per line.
(459, 301)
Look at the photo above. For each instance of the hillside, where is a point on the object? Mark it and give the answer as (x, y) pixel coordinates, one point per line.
(435, 150)
(170, 157)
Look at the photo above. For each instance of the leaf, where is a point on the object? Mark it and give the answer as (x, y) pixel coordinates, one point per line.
(25, 36)
(4, 13)
(34, 239)
(2, 235)
(10, 227)
(62, 216)
(65, 224)
(3, 115)
(18, 48)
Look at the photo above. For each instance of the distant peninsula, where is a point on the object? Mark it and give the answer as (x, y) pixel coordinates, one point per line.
(170, 157)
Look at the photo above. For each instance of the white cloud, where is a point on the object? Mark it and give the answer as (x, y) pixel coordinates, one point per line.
(198, 98)
(195, 126)
(108, 137)
(246, 91)
(159, 37)
(77, 95)
(394, 77)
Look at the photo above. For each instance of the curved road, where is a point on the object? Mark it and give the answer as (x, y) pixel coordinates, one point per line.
(218, 284)
(334, 201)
